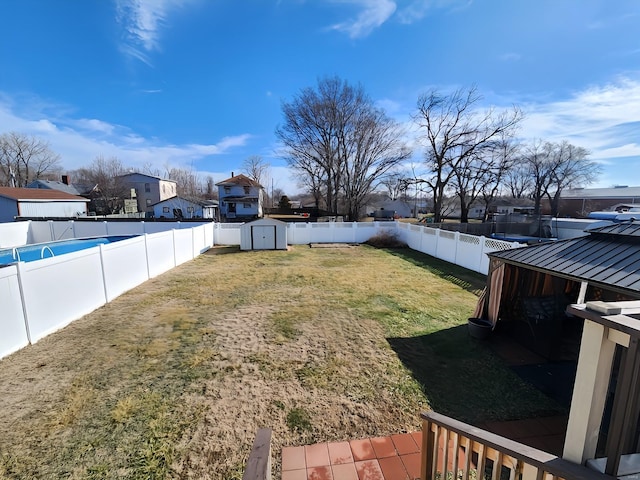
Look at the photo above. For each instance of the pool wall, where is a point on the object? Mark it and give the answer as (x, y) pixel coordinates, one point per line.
(42, 296)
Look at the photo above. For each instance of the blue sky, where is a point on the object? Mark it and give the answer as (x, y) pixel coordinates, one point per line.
(198, 84)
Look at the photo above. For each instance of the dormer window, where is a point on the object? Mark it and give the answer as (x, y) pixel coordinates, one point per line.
(247, 190)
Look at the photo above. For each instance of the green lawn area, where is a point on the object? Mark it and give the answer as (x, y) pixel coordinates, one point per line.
(172, 379)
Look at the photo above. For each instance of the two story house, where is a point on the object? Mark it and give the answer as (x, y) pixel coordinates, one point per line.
(241, 198)
(149, 189)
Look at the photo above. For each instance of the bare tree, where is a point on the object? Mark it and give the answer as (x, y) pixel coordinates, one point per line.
(110, 188)
(501, 160)
(188, 182)
(554, 167)
(210, 189)
(396, 184)
(25, 158)
(340, 140)
(518, 181)
(256, 168)
(455, 135)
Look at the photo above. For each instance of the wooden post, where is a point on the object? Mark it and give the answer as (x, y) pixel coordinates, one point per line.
(259, 461)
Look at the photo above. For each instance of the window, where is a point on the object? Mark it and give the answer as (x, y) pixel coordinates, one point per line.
(165, 209)
(247, 190)
(190, 209)
(227, 189)
(246, 205)
(148, 202)
(147, 187)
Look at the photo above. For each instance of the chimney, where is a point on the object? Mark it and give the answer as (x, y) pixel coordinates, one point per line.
(232, 175)
(65, 179)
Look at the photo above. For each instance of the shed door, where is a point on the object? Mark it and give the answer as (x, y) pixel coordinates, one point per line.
(263, 237)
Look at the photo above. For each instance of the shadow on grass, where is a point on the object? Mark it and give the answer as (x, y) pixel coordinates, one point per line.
(468, 279)
(462, 378)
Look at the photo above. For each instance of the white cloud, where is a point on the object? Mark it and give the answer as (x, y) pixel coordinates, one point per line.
(603, 119)
(373, 14)
(79, 140)
(418, 9)
(510, 57)
(142, 21)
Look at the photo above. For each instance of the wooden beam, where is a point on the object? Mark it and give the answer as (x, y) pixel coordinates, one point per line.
(259, 461)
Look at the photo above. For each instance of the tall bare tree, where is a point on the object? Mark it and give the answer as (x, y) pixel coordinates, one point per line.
(110, 188)
(188, 182)
(24, 158)
(555, 166)
(256, 169)
(455, 135)
(336, 135)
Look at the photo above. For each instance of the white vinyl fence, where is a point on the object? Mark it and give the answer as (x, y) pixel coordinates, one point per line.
(37, 298)
(40, 297)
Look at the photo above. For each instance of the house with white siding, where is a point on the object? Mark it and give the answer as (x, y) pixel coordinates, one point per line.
(241, 198)
(39, 203)
(150, 189)
(181, 207)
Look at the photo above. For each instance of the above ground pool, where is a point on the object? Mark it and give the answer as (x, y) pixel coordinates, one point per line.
(38, 251)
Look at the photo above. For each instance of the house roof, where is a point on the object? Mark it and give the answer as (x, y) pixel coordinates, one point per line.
(39, 195)
(196, 201)
(241, 180)
(608, 257)
(621, 191)
(73, 188)
(148, 176)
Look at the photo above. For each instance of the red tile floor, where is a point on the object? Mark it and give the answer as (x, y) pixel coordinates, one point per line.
(398, 457)
(382, 458)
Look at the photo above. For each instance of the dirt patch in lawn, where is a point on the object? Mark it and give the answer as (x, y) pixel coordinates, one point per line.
(173, 379)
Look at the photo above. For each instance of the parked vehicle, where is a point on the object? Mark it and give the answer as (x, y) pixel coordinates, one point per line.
(385, 215)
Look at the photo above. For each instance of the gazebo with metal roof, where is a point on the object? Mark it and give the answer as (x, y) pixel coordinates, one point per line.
(604, 265)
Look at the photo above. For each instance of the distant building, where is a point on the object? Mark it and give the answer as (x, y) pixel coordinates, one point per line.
(80, 189)
(150, 189)
(578, 202)
(241, 198)
(39, 203)
(180, 207)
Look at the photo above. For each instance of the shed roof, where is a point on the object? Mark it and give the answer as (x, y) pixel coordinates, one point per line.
(39, 195)
(609, 257)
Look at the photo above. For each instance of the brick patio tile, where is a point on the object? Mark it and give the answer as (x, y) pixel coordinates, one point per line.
(412, 464)
(369, 470)
(340, 452)
(346, 471)
(362, 449)
(383, 446)
(293, 458)
(393, 468)
(319, 473)
(317, 455)
(294, 474)
(405, 444)
(417, 437)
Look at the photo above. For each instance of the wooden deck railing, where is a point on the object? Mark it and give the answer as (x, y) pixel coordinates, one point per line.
(452, 450)
(259, 461)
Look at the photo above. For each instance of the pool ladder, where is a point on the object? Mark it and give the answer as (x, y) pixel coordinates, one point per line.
(46, 247)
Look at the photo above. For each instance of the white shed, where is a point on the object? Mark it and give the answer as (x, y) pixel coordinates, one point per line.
(37, 203)
(263, 234)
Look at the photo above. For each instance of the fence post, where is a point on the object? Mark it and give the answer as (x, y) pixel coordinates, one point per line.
(146, 254)
(104, 277)
(173, 236)
(19, 266)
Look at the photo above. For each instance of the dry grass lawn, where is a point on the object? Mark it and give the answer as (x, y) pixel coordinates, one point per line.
(172, 379)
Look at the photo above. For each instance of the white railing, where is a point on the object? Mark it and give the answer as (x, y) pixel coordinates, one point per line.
(35, 303)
